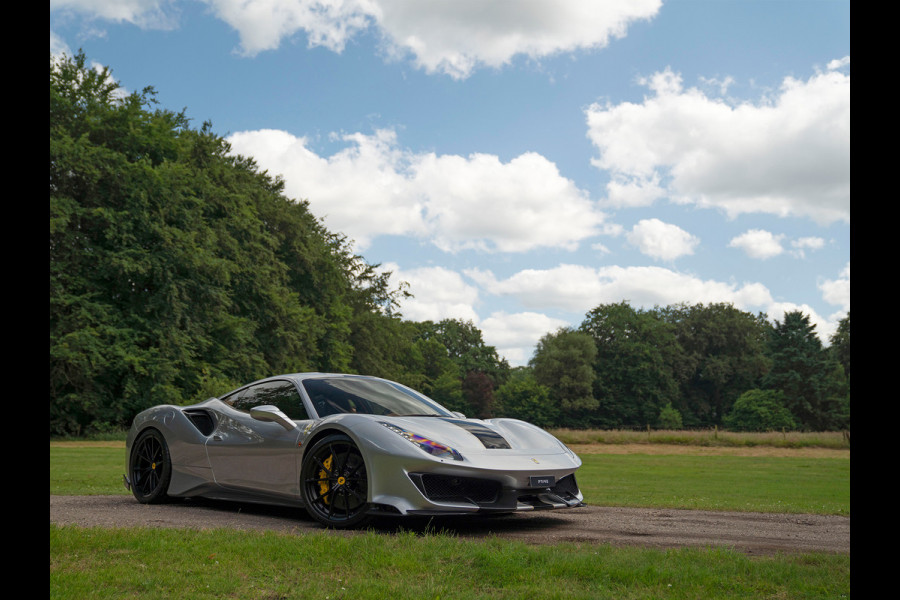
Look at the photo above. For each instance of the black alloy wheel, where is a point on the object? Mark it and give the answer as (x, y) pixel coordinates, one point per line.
(334, 483)
(151, 468)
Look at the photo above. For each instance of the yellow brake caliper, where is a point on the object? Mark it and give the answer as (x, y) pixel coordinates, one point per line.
(323, 479)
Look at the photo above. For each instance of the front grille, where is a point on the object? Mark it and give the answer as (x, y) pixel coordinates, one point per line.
(447, 488)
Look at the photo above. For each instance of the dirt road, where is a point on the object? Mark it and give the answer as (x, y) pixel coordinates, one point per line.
(750, 533)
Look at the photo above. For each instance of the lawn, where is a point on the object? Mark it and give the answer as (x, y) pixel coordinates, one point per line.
(164, 563)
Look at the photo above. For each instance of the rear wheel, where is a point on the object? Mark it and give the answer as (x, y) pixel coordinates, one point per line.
(150, 468)
(334, 483)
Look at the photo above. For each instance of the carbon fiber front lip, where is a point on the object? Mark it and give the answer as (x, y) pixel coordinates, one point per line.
(506, 504)
(506, 500)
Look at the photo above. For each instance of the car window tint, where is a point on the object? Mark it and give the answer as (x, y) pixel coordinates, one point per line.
(287, 399)
(281, 394)
(232, 398)
(337, 395)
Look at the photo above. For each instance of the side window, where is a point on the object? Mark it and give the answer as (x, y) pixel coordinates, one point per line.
(282, 394)
(232, 399)
(287, 399)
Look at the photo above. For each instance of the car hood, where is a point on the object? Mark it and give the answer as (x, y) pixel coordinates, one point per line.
(476, 436)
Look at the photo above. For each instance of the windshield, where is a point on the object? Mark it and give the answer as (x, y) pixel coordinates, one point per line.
(336, 395)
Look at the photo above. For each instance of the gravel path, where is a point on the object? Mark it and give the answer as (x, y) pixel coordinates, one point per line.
(750, 533)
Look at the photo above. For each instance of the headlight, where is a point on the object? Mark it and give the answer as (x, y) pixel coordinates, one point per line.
(432, 447)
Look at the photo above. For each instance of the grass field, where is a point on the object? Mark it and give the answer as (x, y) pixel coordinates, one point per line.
(155, 563)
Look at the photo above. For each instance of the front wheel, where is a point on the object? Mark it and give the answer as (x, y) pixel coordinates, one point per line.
(150, 468)
(334, 483)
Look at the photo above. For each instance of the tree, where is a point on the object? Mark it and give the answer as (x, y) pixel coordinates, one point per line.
(840, 344)
(176, 267)
(478, 391)
(633, 371)
(465, 346)
(563, 363)
(669, 418)
(804, 373)
(722, 354)
(759, 410)
(522, 397)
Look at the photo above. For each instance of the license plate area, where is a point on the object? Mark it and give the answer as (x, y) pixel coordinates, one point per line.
(540, 481)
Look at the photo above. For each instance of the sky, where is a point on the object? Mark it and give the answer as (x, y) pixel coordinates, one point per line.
(521, 162)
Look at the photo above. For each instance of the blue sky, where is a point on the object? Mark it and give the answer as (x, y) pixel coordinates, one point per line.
(519, 162)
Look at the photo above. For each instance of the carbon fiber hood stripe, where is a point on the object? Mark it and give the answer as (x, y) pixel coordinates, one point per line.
(489, 438)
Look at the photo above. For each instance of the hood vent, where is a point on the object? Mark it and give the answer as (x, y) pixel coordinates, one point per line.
(489, 438)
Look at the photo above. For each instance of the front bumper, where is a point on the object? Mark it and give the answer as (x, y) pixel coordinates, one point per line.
(454, 495)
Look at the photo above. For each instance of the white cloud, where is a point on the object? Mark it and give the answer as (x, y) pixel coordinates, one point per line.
(516, 335)
(758, 243)
(372, 188)
(442, 36)
(837, 291)
(438, 293)
(801, 245)
(788, 155)
(148, 14)
(662, 240)
(264, 24)
(58, 46)
(454, 37)
(810, 243)
(579, 288)
(479, 202)
(839, 63)
(360, 191)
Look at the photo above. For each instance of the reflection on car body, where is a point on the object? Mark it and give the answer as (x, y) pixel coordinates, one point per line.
(345, 448)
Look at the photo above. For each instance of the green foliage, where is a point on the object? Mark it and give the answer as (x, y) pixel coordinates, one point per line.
(522, 397)
(478, 391)
(447, 391)
(806, 374)
(669, 418)
(177, 267)
(464, 346)
(721, 354)
(760, 410)
(634, 367)
(563, 363)
(840, 344)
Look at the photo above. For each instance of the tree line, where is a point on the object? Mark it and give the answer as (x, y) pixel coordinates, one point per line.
(179, 271)
(691, 366)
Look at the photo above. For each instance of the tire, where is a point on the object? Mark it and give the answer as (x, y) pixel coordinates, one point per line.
(334, 483)
(150, 468)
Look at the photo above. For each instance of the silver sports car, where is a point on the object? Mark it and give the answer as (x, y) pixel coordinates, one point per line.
(345, 448)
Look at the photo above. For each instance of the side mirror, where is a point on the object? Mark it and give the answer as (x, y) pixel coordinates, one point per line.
(271, 414)
(458, 415)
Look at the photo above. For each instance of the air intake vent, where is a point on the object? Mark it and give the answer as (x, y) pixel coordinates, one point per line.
(201, 420)
(446, 488)
(566, 487)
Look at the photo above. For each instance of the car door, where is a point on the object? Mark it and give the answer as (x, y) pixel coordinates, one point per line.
(251, 455)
